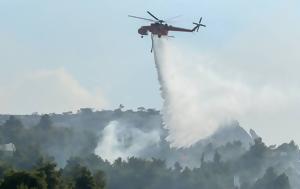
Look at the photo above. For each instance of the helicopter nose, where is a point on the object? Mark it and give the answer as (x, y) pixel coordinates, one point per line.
(142, 31)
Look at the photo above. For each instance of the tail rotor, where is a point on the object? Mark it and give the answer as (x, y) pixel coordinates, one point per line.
(199, 24)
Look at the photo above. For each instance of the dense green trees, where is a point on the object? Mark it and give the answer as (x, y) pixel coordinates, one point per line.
(50, 173)
(46, 175)
(31, 166)
(270, 180)
(22, 179)
(84, 179)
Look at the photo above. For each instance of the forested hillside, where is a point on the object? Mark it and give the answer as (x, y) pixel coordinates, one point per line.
(126, 149)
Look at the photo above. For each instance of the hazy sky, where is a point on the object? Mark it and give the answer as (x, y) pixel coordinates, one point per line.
(61, 55)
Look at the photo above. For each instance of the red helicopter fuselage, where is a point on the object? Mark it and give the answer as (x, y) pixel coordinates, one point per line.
(155, 29)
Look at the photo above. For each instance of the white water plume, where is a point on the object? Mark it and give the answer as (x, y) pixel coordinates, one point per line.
(198, 99)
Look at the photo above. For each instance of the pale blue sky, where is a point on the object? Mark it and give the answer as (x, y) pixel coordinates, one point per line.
(98, 44)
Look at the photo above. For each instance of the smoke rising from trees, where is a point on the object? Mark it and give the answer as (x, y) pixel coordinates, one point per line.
(230, 157)
(118, 140)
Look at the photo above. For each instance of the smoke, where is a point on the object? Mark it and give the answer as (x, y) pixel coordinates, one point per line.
(198, 99)
(124, 141)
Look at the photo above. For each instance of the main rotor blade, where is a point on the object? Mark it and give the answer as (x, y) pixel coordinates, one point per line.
(152, 15)
(172, 18)
(142, 18)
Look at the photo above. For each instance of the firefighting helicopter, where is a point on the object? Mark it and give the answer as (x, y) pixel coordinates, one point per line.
(160, 28)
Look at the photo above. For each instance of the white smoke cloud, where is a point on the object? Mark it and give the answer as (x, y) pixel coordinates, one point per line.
(46, 92)
(120, 141)
(199, 98)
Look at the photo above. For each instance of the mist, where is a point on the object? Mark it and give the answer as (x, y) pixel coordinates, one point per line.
(199, 98)
(196, 101)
